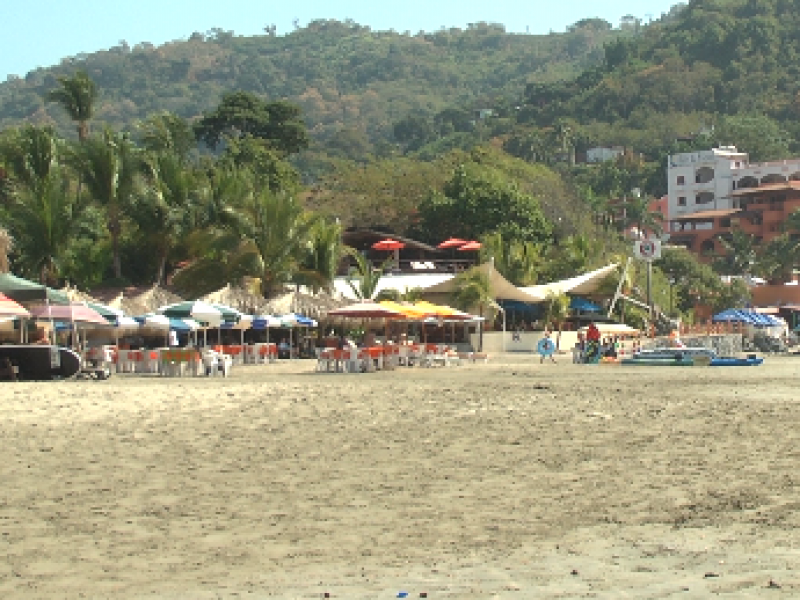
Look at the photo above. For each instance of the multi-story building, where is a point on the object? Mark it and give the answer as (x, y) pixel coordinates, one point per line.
(706, 181)
(759, 211)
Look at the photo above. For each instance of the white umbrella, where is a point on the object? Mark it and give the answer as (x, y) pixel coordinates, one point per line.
(197, 310)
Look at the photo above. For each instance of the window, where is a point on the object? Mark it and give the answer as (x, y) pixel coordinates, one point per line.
(704, 198)
(681, 200)
(681, 180)
(726, 222)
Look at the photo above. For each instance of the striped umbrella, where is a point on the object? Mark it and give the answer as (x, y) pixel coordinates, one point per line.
(10, 308)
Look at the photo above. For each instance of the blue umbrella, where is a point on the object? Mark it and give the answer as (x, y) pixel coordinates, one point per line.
(732, 315)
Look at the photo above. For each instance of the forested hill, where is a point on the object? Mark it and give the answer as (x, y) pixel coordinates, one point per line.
(348, 79)
(717, 59)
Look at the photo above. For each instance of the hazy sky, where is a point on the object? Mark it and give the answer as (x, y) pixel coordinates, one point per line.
(38, 33)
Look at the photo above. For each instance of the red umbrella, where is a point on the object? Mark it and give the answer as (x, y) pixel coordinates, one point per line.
(470, 246)
(388, 244)
(451, 243)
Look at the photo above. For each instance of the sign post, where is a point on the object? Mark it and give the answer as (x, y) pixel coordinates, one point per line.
(648, 250)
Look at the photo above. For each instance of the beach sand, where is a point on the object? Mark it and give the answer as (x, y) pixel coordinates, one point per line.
(502, 480)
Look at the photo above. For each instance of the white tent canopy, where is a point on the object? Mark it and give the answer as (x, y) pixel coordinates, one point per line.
(582, 284)
(502, 288)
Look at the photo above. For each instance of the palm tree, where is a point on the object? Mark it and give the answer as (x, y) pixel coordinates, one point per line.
(109, 165)
(44, 218)
(77, 95)
(321, 256)
(638, 214)
(365, 283)
(262, 238)
(6, 244)
(473, 288)
(164, 212)
(517, 261)
(167, 132)
(556, 310)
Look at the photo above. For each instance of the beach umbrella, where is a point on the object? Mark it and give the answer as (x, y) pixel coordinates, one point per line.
(392, 245)
(75, 313)
(243, 322)
(10, 308)
(470, 246)
(197, 310)
(365, 310)
(451, 243)
(388, 244)
(266, 322)
(734, 315)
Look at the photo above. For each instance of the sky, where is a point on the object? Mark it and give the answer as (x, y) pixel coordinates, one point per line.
(39, 33)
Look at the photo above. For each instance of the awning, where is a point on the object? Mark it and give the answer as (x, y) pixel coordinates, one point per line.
(582, 284)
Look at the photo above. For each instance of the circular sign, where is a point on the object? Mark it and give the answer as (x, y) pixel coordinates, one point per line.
(647, 249)
(546, 347)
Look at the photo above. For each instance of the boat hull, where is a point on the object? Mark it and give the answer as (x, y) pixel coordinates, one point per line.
(41, 363)
(685, 361)
(750, 361)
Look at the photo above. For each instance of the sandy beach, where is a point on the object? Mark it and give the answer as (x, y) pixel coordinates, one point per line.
(510, 479)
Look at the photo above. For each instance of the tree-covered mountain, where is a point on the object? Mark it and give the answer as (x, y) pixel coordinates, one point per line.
(352, 83)
(724, 66)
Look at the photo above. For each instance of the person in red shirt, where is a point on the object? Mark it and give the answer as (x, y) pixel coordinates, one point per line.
(592, 343)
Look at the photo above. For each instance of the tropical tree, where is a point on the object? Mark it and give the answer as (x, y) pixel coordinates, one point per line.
(638, 214)
(243, 113)
(109, 165)
(517, 261)
(741, 253)
(556, 311)
(778, 258)
(364, 282)
(473, 288)
(263, 238)
(321, 256)
(167, 132)
(164, 211)
(44, 217)
(479, 200)
(6, 244)
(77, 95)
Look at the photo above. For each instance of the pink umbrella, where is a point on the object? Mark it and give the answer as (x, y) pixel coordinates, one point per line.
(76, 313)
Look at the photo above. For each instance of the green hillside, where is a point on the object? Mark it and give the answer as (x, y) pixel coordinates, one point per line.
(352, 83)
(727, 65)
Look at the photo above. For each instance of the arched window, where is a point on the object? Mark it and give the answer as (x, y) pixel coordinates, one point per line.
(704, 175)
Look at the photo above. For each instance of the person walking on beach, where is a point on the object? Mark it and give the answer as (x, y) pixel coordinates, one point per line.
(546, 348)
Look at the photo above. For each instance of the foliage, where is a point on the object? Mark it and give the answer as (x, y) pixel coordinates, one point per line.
(479, 200)
(473, 289)
(364, 282)
(77, 96)
(245, 114)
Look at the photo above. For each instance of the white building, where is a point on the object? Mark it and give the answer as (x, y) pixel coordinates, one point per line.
(602, 153)
(703, 181)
